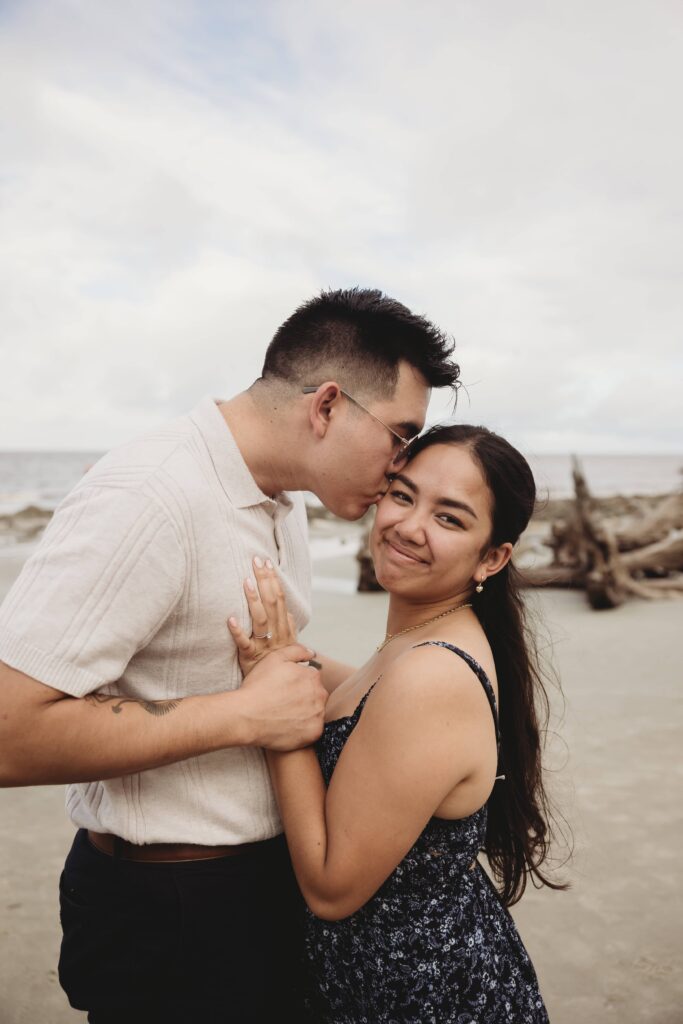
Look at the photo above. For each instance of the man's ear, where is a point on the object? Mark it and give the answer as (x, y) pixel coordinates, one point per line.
(323, 405)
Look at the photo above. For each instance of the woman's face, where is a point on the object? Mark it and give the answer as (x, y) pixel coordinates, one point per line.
(433, 527)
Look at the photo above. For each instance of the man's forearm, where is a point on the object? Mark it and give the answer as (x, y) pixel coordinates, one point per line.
(100, 736)
(48, 737)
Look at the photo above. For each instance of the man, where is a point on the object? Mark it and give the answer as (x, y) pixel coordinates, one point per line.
(120, 677)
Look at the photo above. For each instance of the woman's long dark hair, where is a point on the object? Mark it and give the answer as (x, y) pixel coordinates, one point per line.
(518, 831)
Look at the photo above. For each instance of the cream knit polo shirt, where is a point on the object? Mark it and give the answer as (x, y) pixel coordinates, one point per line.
(129, 592)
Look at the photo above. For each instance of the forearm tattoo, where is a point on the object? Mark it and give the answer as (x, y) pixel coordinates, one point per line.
(152, 707)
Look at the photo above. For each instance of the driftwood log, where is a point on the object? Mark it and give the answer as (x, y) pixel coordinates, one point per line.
(656, 525)
(614, 559)
(367, 581)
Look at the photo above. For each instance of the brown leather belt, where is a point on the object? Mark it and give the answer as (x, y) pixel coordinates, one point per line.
(160, 853)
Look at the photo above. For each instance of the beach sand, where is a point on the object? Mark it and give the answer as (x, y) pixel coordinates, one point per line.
(607, 950)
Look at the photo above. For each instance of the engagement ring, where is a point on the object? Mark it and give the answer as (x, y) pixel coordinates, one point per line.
(263, 636)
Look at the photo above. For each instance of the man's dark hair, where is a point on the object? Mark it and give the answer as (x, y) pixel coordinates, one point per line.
(358, 336)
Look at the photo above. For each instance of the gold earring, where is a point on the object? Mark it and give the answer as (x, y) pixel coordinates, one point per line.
(479, 587)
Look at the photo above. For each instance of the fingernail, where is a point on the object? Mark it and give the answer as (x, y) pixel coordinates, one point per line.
(311, 652)
(233, 621)
(258, 563)
(250, 584)
(269, 564)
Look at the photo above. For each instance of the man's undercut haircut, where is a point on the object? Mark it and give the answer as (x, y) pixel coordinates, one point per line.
(358, 337)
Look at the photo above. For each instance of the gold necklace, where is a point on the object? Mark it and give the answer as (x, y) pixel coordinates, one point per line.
(392, 636)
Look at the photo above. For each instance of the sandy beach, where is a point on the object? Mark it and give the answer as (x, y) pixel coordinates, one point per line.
(607, 950)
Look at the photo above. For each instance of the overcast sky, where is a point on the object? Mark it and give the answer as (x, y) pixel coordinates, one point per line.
(177, 176)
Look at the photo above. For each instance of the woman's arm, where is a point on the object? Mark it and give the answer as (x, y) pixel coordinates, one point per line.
(333, 672)
(425, 728)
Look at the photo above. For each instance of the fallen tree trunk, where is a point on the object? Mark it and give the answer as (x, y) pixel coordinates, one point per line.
(611, 558)
(604, 573)
(367, 581)
(663, 557)
(552, 576)
(630, 532)
(655, 526)
(668, 587)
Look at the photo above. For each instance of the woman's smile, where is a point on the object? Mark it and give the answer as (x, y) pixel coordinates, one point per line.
(402, 554)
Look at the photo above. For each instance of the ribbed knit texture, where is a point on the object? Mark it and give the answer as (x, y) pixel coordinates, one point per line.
(129, 591)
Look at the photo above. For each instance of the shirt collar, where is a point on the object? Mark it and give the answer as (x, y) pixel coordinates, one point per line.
(231, 469)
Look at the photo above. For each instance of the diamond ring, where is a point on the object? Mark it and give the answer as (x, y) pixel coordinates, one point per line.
(263, 636)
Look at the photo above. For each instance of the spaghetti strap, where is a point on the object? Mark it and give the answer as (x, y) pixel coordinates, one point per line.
(479, 673)
(361, 703)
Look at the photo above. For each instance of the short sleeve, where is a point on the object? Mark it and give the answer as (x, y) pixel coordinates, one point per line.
(108, 571)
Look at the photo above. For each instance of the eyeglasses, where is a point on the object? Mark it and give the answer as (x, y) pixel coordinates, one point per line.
(402, 444)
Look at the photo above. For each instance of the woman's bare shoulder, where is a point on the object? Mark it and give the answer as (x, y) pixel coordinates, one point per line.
(426, 679)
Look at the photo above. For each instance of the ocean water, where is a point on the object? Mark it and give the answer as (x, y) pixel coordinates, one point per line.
(42, 479)
(607, 475)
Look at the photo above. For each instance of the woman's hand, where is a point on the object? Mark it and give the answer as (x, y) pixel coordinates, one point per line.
(272, 626)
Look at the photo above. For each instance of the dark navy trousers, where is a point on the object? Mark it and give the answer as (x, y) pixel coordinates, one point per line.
(212, 941)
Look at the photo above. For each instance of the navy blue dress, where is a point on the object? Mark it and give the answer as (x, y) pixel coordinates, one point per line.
(434, 945)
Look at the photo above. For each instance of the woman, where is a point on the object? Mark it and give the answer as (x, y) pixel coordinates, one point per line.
(415, 771)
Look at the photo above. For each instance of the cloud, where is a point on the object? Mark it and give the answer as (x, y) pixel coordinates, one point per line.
(180, 176)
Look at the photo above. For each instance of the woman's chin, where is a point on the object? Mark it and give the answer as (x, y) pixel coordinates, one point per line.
(392, 574)
(390, 579)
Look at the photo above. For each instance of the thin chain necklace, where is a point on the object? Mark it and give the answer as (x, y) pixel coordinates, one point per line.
(449, 611)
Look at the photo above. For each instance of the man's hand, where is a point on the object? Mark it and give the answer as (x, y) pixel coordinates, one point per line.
(283, 700)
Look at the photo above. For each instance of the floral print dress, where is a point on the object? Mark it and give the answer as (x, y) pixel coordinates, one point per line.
(434, 945)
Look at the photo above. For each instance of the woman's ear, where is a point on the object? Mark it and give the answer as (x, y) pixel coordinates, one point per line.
(495, 560)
